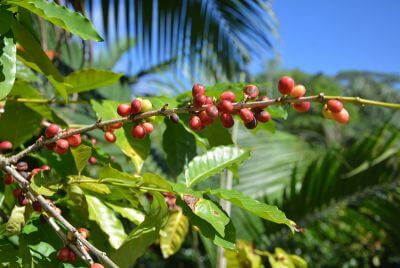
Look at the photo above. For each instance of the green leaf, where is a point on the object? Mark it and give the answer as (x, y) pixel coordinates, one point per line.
(85, 80)
(210, 212)
(46, 183)
(178, 151)
(61, 16)
(143, 235)
(268, 212)
(107, 221)
(211, 163)
(90, 184)
(7, 64)
(16, 221)
(216, 134)
(136, 149)
(132, 214)
(277, 112)
(151, 179)
(81, 156)
(173, 233)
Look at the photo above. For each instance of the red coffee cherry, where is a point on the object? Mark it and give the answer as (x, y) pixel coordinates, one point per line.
(92, 160)
(252, 124)
(195, 123)
(335, 106)
(342, 117)
(199, 100)
(227, 95)
(96, 265)
(205, 119)
(45, 168)
(174, 118)
(148, 127)
(8, 179)
(212, 111)
(263, 98)
(227, 120)
(263, 116)
(209, 100)
(302, 107)
(17, 192)
(298, 91)
(5, 145)
(37, 206)
(246, 115)
(22, 200)
(61, 146)
(136, 106)
(93, 141)
(251, 91)
(63, 254)
(225, 106)
(110, 136)
(285, 85)
(198, 90)
(84, 232)
(138, 132)
(22, 166)
(116, 125)
(74, 140)
(52, 130)
(51, 146)
(124, 110)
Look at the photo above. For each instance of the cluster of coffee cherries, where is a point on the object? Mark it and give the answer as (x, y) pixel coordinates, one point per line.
(137, 106)
(61, 145)
(225, 108)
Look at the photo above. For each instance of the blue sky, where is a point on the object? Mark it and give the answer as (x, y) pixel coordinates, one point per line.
(330, 36)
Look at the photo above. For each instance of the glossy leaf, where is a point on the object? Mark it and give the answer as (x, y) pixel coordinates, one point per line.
(88, 79)
(46, 183)
(151, 179)
(81, 156)
(173, 233)
(90, 184)
(134, 215)
(7, 63)
(210, 212)
(61, 16)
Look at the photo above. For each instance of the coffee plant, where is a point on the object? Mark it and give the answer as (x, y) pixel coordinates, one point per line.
(58, 183)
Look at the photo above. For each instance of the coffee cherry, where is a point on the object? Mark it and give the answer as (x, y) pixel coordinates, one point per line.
(45, 168)
(74, 140)
(96, 265)
(205, 119)
(22, 200)
(93, 141)
(225, 106)
(174, 118)
(17, 192)
(51, 146)
(37, 206)
(72, 256)
(5, 145)
(199, 100)
(302, 107)
(61, 146)
(110, 136)
(52, 130)
(263, 116)
(195, 123)
(136, 106)
(285, 85)
(246, 115)
(252, 124)
(226, 120)
(212, 111)
(92, 160)
(63, 254)
(251, 91)
(148, 127)
(198, 90)
(298, 91)
(138, 132)
(116, 125)
(209, 100)
(8, 179)
(335, 106)
(84, 232)
(22, 166)
(124, 109)
(326, 112)
(227, 95)
(146, 105)
(342, 117)
(263, 98)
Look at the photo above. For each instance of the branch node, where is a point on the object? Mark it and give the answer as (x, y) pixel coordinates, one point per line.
(321, 97)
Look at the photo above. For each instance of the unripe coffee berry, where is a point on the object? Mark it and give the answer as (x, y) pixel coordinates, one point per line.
(148, 127)
(92, 160)
(110, 136)
(96, 265)
(61, 146)
(335, 106)
(84, 232)
(8, 179)
(63, 254)
(285, 85)
(198, 90)
(252, 124)
(146, 105)
(263, 116)
(138, 132)
(199, 100)
(174, 118)
(17, 192)
(22, 166)
(195, 123)
(227, 120)
(37, 206)
(205, 119)
(212, 111)
(5, 145)
(246, 115)
(326, 112)
(342, 117)
(74, 140)
(298, 91)
(52, 130)
(251, 91)
(136, 106)
(225, 106)
(227, 95)
(124, 109)
(302, 107)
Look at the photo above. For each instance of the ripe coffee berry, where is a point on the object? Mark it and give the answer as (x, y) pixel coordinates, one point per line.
(22, 200)
(8, 179)
(199, 100)
(110, 136)
(136, 106)
(285, 85)
(227, 120)
(263, 116)
(342, 117)
(225, 106)
(61, 146)
(92, 160)
(52, 130)
(22, 166)
(195, 123)
(302, 107)
(209, 100)
(251, 91)
(252, 124)
(17, 192)
(246, 115)
(335, 106)
(45, 168)
(138, 132)
(74, 140)
(63, 254)
(174, 118)
(298, 91)
(205, 119)
(212, 111)
(84, 232)
(5, 145)
(116, 125)
(51, 146)
(227, 95)
(124, 109)
(198, 89)
(37, 206)
(146, 105)
(148, 127)
(96, 265)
